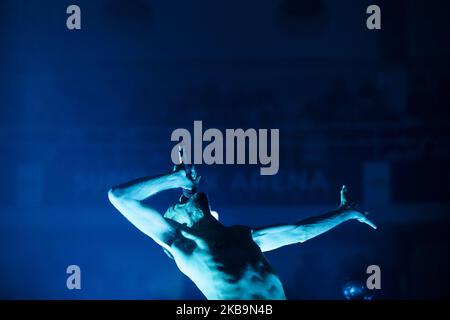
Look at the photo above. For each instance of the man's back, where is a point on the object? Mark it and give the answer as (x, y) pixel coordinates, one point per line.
(225, 263)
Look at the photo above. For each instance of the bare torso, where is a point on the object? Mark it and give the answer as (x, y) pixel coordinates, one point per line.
(224, 262)
(227, 265)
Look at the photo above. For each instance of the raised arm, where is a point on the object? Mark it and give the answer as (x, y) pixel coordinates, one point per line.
(273, 237)
(127, 198)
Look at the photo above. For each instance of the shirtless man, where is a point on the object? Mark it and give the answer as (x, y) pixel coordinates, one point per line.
(224, 262)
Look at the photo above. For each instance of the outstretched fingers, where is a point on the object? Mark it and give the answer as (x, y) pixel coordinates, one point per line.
(364, 219)
(356, 214)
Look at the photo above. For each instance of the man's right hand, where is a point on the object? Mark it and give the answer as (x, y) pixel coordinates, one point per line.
(186, 174)
(184, 179)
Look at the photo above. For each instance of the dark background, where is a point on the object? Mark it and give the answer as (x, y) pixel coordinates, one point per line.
(83, 110)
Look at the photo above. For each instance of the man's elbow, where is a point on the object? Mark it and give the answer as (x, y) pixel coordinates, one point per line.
(114, 195)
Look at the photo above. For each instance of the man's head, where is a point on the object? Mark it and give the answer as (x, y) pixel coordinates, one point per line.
(191, 210)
